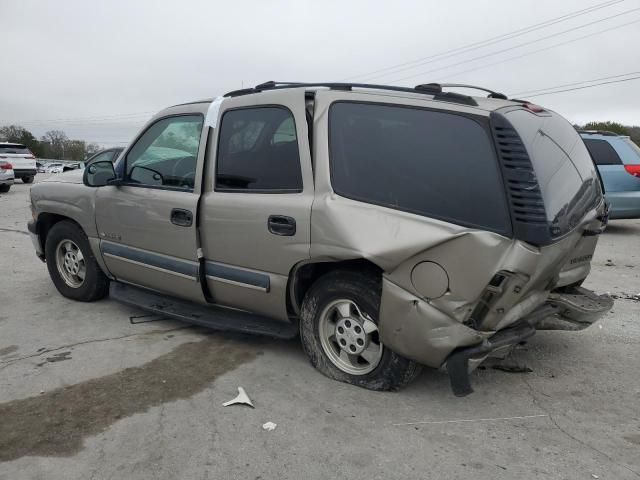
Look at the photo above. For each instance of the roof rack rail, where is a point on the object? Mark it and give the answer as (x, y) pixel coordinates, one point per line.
(428, 89)
(491, 93)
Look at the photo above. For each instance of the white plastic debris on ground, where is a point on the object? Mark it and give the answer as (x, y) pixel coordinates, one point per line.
(269, 426)
(241, 399)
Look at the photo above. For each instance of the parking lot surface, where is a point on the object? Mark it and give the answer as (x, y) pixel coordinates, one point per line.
(100, 391)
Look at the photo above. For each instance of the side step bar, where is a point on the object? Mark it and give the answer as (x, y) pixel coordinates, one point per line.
(215, 317)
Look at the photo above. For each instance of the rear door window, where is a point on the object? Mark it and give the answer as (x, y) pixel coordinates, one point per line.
(258, 151)
(431, 163)
(602, 152)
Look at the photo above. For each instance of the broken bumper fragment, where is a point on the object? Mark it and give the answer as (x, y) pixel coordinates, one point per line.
(416, 329)
(575, 309)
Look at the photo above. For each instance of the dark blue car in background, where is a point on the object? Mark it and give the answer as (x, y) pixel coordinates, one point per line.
(618, 160)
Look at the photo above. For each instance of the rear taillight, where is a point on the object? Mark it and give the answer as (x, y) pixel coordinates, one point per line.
(6, 166)
(633, 170)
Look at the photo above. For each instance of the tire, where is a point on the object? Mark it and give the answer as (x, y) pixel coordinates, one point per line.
(336, 290)
(27, 179)
(89, 283)
(5, 188)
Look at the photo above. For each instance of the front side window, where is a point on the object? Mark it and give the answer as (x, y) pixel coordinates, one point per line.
(166, 154)
(258, 151)
(602, 152)
(434, 164)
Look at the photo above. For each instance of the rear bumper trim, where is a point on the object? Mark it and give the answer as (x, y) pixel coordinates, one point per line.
(24, 172)
(458, 362)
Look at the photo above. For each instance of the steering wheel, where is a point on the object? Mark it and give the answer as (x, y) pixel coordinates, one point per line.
(180, 166)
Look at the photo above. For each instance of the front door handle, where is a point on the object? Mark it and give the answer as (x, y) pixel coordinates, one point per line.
(181, 217)
(282, 225)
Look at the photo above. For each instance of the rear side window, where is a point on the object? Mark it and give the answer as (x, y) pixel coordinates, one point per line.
(602, 152)
(18, 149)
(430, 163)
(258, 151)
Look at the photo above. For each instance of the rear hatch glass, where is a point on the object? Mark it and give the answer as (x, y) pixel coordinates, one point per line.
(566, 174)
(14, 149)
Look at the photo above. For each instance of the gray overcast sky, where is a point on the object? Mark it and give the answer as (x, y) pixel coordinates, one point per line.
(89, 62)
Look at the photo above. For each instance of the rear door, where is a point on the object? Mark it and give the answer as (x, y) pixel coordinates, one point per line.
(256, 207)
(147, 226)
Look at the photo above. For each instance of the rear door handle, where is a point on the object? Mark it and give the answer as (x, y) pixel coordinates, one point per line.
(181, 217)
(282, 225)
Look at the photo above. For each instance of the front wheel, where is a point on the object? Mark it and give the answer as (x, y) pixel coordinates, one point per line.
(27, 179)
(71, 264)
(339, 332)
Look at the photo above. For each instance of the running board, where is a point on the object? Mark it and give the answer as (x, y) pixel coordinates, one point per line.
(213, 316)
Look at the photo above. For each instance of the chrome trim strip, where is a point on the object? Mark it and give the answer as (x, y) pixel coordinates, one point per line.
(152, 267)
(239, 284)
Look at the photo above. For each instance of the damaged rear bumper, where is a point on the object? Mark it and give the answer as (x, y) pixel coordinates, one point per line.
(575, 309)
(417, 330)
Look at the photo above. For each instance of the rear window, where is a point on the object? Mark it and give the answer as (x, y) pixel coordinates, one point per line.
(431, 163)
(633, 146)
(19, 149)
(602, 152)
(565, 172)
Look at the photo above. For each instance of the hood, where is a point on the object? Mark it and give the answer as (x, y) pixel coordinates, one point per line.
(70, 176)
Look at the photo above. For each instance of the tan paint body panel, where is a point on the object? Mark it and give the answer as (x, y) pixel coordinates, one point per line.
(234, 235)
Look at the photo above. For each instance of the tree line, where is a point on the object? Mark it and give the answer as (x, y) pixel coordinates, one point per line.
(53, 144)
(631, 131)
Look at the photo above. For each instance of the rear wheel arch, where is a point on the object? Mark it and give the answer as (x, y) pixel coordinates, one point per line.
(305, 274)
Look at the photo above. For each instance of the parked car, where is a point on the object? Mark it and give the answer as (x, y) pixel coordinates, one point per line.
(391, 227)
(618, 160)
(41, 167)
(23, 161)
(55, 168)
(6, 176)
(110, 154)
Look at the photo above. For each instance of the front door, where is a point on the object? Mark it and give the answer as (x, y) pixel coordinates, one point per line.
(147, 225)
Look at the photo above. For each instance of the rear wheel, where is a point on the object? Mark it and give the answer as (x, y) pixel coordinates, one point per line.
(27, 179)
(71, 264)
(5, 188)
(339, 331)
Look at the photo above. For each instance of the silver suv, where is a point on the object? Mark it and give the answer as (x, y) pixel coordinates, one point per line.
(390, 227)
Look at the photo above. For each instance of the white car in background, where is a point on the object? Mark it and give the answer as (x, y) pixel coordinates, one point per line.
(23, 161)
(55, 168)
(6, 176)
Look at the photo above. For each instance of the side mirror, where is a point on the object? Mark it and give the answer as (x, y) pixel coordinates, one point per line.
(99, 174)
